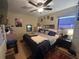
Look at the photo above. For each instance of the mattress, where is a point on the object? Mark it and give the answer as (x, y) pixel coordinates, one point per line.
(41, 37)
(52, 39)
(38, 39)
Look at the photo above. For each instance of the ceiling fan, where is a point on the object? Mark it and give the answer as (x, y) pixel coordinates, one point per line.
(41, 6)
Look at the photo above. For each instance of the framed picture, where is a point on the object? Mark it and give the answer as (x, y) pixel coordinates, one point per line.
(48, 17)
(51, 18)
(1, 16)
(44, 17)
(50, 26)
(18, 22)
(41, 19)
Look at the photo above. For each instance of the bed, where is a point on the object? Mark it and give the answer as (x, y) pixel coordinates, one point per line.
(51, 39)
(33, 43)
(39, 43)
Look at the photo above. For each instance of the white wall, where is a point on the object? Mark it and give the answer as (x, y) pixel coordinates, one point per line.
(48, 21)
(66, 12)
(26, 19)
(76, 38)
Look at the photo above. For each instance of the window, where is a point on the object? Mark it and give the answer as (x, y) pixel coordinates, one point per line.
(67, 22)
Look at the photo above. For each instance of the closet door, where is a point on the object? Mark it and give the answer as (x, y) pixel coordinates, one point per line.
(2, 42)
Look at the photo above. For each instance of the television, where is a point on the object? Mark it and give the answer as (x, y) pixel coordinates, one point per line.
(29, 28)
(66, 22)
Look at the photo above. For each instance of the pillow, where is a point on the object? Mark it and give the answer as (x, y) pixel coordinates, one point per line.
(41, 30)
(46, 32)
(52, 33)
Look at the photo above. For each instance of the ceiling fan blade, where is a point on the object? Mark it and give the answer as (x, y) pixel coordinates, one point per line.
(47, 2)
(47, 8)
(33, 10)
(32, 4)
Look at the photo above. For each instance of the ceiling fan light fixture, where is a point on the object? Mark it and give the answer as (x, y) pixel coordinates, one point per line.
(40, 10)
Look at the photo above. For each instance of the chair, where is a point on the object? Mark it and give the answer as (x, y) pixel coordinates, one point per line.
(12, 44)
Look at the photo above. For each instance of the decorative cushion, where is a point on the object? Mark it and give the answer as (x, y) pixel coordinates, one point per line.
(51, 33)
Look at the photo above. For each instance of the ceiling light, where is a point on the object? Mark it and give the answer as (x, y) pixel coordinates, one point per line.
(40, 10)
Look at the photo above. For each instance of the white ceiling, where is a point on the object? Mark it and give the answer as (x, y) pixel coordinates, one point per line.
(57, 5)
